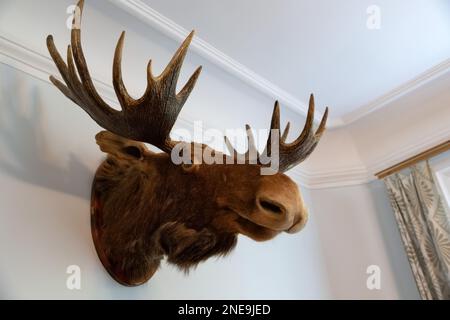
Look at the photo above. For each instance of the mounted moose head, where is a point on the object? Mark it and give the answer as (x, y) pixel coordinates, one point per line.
(144, 206)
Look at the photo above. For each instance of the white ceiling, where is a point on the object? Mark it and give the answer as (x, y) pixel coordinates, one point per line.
(323, 46)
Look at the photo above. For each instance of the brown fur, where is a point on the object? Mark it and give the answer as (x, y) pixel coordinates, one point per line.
(153, 208)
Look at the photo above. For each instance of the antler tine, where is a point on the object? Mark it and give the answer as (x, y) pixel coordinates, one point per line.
(285, 132)
(188, 87)
(80, 62)
(323, 123)
(172, 71)
(72, 87)
(59, 62)
(168, 80)
(124, 98)
(74, 82)
(67, 89)
(77, 88)
(307, 129)
(168, 77)
(290, 154)
(252, 150)
(63, 89)
(293, 153)
(274, 125)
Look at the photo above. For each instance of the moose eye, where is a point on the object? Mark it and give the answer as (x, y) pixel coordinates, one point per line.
(133, 151)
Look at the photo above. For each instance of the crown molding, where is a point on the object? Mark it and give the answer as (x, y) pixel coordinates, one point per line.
(408, 151)
(356, 175)
(336, 178)
(421, 80)
(22, 58)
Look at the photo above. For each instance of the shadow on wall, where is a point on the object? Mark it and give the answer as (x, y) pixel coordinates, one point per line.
(25, 153)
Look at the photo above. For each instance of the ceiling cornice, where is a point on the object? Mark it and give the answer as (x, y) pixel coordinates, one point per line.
(397, 93)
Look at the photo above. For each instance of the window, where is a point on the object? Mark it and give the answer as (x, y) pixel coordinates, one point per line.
(441, 168)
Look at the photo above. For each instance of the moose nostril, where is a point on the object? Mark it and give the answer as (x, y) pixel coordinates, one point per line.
(270, 206)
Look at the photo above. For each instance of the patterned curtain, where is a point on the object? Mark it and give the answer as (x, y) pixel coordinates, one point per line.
(425, 228)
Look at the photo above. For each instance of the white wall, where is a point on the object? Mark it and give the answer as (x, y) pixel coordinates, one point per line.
(48, 156)
(358, 229)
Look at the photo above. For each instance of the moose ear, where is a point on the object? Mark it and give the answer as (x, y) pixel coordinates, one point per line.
(120, 147)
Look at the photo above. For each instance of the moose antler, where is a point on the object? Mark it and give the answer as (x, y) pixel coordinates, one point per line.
(290, 154)
(149, 118)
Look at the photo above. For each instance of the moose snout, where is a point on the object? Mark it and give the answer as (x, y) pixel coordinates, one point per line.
(280, 205)
(275, 213)
(299, 221)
